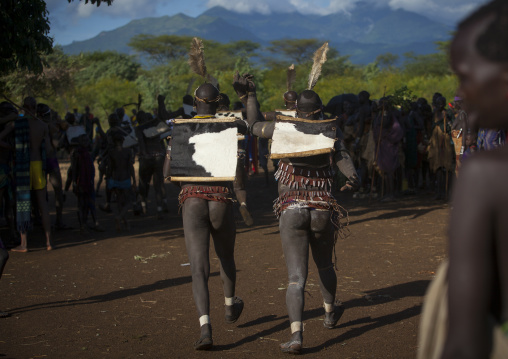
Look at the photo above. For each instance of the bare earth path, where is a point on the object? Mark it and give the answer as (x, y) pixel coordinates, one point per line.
(128, 294)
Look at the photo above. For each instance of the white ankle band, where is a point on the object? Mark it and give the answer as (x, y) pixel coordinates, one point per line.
(296, 327)
(204, 319)
(229, 301)
(328, 307)
(243, 204)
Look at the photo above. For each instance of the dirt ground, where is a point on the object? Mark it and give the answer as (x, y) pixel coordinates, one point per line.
(128, 294)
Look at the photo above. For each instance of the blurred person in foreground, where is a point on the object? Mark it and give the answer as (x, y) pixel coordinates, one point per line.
(465, 314)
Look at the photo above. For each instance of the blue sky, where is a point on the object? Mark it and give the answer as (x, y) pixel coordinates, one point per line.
(77, 21)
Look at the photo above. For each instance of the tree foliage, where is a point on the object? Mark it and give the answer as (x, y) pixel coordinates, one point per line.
(106, 80)
(436, 64)
(96, 65)
(24, 26)
(95, 2)
(173, 49)
(161, 49)
(295, 51)
(387, 61)
(25, 39)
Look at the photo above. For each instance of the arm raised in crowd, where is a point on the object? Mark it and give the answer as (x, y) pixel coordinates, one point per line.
(255, 118)
(163, 113)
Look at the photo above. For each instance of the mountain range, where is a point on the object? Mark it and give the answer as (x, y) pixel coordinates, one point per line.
(364, 33)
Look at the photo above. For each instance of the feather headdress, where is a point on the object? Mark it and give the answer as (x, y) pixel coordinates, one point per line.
(197, 58)
(291, 77)
(319, 60)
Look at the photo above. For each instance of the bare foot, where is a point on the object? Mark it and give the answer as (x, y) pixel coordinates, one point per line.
(19, 249)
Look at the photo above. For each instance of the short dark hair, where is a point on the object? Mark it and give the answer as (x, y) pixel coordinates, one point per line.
(29, 102)
(492, 44)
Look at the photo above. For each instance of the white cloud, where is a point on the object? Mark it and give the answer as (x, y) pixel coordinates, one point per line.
(260, 6)
(448, 11)
(85, 10)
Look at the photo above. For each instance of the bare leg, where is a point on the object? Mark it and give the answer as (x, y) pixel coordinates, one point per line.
(144, 175)
(81, 214)
(40, 195)
(158, 182)
(196, 227)
(223, 232)
(23, 245)
(124, 200)
(295, 235)
(4, 256)
(99, 181)
(322, 252)
(241, 193)
(55, 178)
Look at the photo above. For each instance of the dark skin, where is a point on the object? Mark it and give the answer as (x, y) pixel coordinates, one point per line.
(163, 114)
(55, 177)
(120, 169)
(303, 228)
(151, 160)
(39, 133)
(84, 200)
(478, 271)
(202, 218)
(5, 156)
(364, 121)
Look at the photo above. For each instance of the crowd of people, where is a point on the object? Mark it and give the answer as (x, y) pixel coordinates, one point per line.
(416, 146)
(381, 148)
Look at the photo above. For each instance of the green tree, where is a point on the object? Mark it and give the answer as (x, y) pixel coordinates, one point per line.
(297, 51)
(371, 71)
(173, 49)
(105, 95)
(436, 64)
(430, 64)
(24, 26)
(96, 65)
(56, 78)
(161, 49)
(387, 61)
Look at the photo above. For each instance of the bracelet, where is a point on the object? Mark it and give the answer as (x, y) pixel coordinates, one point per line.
(252, 93)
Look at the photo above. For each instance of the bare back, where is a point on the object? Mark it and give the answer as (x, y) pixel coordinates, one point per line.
(38, 133)
(121, 163)
(478, 273)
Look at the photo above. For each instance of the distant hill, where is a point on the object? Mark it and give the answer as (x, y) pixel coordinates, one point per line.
(363, 34)
(207, 27)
